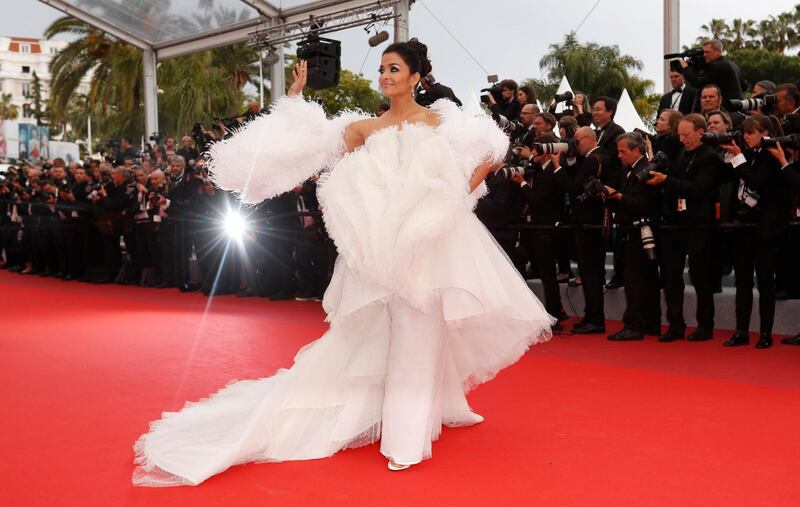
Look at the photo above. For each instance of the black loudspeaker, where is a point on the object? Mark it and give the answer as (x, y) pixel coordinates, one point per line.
(324, 61)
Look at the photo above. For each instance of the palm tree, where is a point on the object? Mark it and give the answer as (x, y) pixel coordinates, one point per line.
(716, 29)
(742, 33)
(8, 111)
(778, 33)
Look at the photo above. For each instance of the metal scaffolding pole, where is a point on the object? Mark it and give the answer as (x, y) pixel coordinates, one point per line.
(278, 76)
(150, 92)
(672, 39)
(401, 10)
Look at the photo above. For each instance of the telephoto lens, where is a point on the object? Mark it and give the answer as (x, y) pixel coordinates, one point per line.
(648, 240)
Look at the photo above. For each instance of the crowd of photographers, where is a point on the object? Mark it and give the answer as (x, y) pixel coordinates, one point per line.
(716, 185)
(140, 216)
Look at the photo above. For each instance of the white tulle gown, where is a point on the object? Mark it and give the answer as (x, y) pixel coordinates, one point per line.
(423, 304)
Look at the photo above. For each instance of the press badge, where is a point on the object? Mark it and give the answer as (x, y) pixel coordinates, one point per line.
(681, 204)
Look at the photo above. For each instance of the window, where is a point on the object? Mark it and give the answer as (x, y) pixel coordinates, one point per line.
(26, 89)
(53, 51)
(24, 48)
(26, 69)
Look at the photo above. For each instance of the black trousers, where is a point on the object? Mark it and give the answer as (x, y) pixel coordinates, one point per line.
(676, 246)
(642, 290)
(542, 247)
(78, 244)
(592, 266)
(565, 249)
(751, 252)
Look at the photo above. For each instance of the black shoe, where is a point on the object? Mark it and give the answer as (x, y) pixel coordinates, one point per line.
(557, 328)
(794, 340)
(281, 297)
(782, 295)
(587, 328)
(164, 285)
(626, 334)
(102, 280)
(615, 283)
(562, 316)
(67, 278)
(46, 272)
(672, 334)
(700, 335)
(16, 269)
(653, 331)
(765, 341)
(738, 338)
(246, 293)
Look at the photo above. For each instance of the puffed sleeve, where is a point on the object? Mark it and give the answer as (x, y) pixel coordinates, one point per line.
(275, 152)
(476, 138)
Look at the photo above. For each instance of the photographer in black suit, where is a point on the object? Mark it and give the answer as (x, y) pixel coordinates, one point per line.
(588, 210)
(603, 111)
(682, 96)
(632, 203)
(509, 106)
(763, 198)
(718, 70)
(690, 195)
(433, 91)
(543, 195)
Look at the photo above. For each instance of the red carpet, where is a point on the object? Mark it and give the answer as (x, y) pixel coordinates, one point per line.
(579, 421)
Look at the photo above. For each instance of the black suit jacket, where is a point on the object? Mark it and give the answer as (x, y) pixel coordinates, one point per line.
(572, 179)
(544, 195)
(763, 173)
(695, 179)
(721, 72)
(499, 206)
(607, 141)
(686, 104)
(637, 198)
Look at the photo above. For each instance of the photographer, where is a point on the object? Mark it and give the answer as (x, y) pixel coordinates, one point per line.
(632, 204)
(588, 210)
(177, 230)
(543, 194)
(188, 150)
(126, 152)
(78, 243)
(718, 70)
(765, 200)
(507, 106)
(680, 98)
(526, 95)
(603, 112)
(499, 207)
(110, 202)
(711, 100)
(690, 195)
(433, 91)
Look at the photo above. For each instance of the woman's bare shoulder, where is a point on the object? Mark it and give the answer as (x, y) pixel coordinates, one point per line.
(357, 132)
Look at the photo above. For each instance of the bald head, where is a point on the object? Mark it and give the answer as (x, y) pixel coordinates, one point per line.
(586, 140)
(527, 114)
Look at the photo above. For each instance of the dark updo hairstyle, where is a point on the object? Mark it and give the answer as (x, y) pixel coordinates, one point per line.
(414, 53)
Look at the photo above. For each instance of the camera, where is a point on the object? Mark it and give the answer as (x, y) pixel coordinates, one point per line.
(660, 163)
(644, 134)
(791, 141)
(157, 137)
(508, 171)
(762, 102)
(716, 139)
(693, 56)
(565, 97)
(496, 92)
(567, 148)
(648, 239)
(593, 188)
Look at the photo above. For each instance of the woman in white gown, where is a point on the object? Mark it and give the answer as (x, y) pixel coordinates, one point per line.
(423, 304)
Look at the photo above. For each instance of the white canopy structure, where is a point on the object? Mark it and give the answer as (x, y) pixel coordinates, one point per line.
(166, 28)
(626, 116)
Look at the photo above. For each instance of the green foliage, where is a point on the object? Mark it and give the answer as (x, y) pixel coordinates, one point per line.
(759, 64)
(777, 33)
(595, 70)
(38, 110)
(8, 111)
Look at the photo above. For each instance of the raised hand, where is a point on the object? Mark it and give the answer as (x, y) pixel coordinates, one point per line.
(300, 76)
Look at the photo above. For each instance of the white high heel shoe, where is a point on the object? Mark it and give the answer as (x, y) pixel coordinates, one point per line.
(394, 467)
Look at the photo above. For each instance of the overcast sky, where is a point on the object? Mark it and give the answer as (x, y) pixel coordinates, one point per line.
(507, 38)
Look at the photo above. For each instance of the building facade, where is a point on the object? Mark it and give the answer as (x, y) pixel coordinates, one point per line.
(20, 57)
